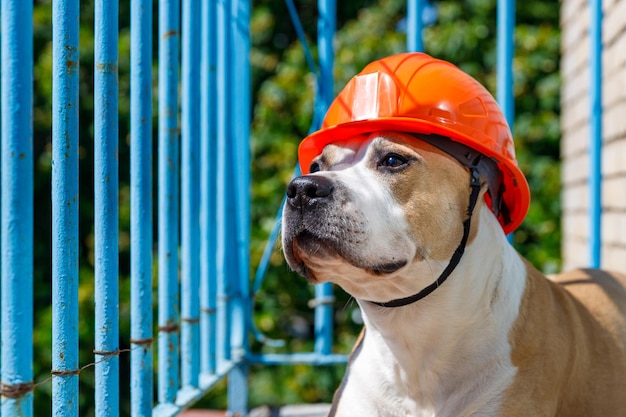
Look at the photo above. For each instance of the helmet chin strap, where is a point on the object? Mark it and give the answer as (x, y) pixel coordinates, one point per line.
(479, 166)
(456, 257)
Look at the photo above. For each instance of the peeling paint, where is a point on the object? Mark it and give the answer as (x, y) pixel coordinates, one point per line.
(170, 33)
(106, 67)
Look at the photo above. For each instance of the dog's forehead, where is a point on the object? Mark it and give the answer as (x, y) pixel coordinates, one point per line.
(344, 152)
(351, 150)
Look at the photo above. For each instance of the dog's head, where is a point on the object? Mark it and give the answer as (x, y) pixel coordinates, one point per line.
(387, 207)
(390, 206)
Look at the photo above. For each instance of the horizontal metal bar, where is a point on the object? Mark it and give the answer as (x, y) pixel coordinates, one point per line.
(187, 396)
(311, 358)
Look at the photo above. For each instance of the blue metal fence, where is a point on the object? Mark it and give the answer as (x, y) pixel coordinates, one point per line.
(106, 192)
(202, 335)
(142, 382)
(65, 209)
(204, 305)
(17, 206)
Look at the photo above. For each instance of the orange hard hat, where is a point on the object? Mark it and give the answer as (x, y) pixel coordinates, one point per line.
(413, 92)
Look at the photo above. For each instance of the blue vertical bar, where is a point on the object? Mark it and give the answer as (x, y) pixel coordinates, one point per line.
(505, 50)
(505, 45)
(324, 292)
(326, 25)
(595, 147)
(65, 26)
(225, 203)
(142, 380)
(190, 244)
(169, 37)
(241, 106)
(106, 208)
(414, 26)
(17, 205)
(1, 26)
(208, 126)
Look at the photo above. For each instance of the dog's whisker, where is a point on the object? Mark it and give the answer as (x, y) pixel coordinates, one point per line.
(348, 303)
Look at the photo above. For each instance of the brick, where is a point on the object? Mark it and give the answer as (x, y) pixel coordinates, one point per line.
(573, 30)
(575, 58)
(613, 58)
(574, 112)
(575, 140)
(614, 121)
(607, 5)
(575, 170)
(576, 86)
(613, 22)
(612, 257)
(614, 196)
(614, 159)
(614, 228)
(575, 225)
(571, 11)
(613, 86)
(574, 198)
(575, 253)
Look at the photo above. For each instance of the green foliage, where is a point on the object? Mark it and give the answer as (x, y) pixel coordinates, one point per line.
(283, 92)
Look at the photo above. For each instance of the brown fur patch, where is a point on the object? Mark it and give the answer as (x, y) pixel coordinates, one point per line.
(434, 196)
(569, 347)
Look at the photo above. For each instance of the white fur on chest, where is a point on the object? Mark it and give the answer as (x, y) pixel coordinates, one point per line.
(448, 355)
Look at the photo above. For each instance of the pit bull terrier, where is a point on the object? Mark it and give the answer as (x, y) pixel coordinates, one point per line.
(456, 322)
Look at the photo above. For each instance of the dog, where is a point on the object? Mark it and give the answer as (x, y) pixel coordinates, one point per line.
(383, 217)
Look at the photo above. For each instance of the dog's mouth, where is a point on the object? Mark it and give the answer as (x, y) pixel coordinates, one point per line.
(387, 268)
(297, 252)
(308, 252)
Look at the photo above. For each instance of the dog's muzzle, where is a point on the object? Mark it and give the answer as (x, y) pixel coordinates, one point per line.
(320, 222)
(308, 224)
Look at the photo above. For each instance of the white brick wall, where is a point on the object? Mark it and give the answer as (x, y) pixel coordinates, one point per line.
(575, 133)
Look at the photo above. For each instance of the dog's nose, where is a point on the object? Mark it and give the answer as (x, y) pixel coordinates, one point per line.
(305, 191)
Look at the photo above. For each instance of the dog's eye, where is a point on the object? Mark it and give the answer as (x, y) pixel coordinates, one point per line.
(314, 167)
(393, 161)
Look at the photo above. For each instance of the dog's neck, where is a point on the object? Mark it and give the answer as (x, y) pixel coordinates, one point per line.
(460, 327)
